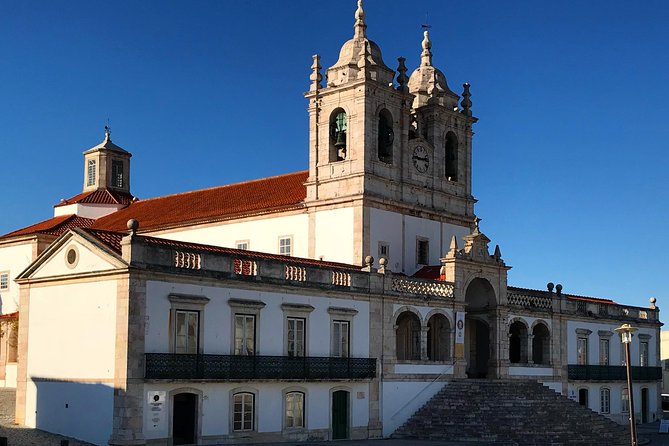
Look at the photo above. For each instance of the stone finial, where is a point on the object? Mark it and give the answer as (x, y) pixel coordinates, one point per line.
(316, 76)
(369, 260)
(107, 132)
(383, 265)
(477, 229)
(364, 62)
(360, 26)
(466, 103)
(550, 287)
(498, 253)
(558, 289)
(652, 301)
(402, 78)
(133, 226)
(426, 55)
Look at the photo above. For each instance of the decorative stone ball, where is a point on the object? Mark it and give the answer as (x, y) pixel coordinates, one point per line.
(369, 260)
(558, 288)
(550, 286)
(652, 300)
(133, 224)
(383, 261)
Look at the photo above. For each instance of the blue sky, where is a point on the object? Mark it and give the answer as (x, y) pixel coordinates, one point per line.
(570, 153)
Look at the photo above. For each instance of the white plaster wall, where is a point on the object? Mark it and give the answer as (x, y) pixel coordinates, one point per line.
(616, 413)
(84, 210)
(218, 314)
(216, 405)
(441, 369)
(334, 232)
(72, 331)
(262, 234)
(530, 371)
(13, 258)
(400, 400)
(400, 231)
(88, 261)
(615, 350)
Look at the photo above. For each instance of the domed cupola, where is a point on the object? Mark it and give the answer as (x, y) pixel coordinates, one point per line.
(428, 84)
(359, 58)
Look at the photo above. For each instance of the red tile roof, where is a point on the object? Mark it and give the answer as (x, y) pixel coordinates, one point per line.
(100, 196)
(214, 204)
(9, 315)
(429, 272)
(113, 240)
(53, 226)
(568, 296)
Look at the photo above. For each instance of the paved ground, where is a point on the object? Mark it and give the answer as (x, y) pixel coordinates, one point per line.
(23, 436)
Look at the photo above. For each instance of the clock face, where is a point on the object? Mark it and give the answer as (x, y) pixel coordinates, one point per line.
(421, 159)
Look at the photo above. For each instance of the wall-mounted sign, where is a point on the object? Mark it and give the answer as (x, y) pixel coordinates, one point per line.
(460, 327)
(156, 401)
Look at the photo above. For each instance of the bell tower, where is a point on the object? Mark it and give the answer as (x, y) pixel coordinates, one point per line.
(358, 122)
(107, 167)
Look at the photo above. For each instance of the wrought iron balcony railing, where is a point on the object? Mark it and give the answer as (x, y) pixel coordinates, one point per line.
(232, 367)
(613, 373)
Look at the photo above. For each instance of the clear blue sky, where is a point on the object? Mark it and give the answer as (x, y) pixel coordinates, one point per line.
(570, 153)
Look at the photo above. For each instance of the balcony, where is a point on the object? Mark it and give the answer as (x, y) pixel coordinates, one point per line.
(612, 373)
(245, 368)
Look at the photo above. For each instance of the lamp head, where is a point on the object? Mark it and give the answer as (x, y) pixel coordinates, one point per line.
(626, 331)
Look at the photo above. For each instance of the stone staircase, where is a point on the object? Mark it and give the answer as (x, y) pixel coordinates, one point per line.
(509, 412)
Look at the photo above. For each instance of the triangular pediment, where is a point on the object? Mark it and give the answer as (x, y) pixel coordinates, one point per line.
(74, 253)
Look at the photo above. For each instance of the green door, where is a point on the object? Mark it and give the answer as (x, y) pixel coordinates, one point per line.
(339, 415)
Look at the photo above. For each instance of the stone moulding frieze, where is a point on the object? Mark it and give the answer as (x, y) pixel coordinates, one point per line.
(527, 301)
(423, 287)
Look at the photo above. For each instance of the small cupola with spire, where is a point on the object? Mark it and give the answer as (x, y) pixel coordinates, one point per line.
(107, 166)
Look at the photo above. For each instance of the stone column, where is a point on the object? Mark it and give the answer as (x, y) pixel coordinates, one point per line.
(530, 348)
(423, 343)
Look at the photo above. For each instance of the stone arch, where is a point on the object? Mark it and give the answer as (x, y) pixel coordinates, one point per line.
(541, 337)
(408, 328)
(174, 412)
(480, 294)
(338, 130)
(518, 341)
(439, 336)
(385, 136)
(439, 311)
(404, 308)
(451, 147)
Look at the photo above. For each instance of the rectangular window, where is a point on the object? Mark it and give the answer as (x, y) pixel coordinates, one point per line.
(294, 409)
(90, 173)
(286, 246)
(582, 351)
(422, 251)
(245, 327)
(4, 281)
(243, 412)
(643, 354)
(605, 400)
(242, 244)
(384, 250)
(340, 339)
(185, 331)
(295, 336)
(117, 173)
(603, 352)
(625, 401)
(623, 351)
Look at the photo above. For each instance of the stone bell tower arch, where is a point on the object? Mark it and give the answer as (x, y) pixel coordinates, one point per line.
(480, 280)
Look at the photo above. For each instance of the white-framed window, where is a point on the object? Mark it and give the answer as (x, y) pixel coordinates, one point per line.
(286, 245)
(4, 281)
(242, 244)
(243, 412)
(340, 339)
(604, 400)
(295, 336)
(643, 353)
(582, 351)
(623, 354)
(90, 173)
(625, 401)
(384, 250)
(294, 410)
(603, 352)
(422, 251)
(245, 334)
(186, 331)
(117, 173)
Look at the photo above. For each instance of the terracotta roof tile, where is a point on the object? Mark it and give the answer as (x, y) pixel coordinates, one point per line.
(110, 238)
(100, 196)
(429, 272)
(9, 315)
(213, 204)
(53, 226)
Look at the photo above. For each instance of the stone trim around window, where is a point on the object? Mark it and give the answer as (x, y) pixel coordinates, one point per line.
(583, 332)
(4, 280)
(249, 307)
(231, 419)
(187, 302)
(305, 396)
(341, 314)
(296, 311)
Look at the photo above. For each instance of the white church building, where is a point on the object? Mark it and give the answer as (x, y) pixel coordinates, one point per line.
(325, 304)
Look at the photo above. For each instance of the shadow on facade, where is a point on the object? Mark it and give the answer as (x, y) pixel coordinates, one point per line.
(75, 409)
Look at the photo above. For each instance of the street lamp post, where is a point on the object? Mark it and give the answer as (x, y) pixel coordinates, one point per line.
(626, 331)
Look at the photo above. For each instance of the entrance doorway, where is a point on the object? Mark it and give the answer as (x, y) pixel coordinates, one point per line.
(184, 419)
(340, 416)
(583, 397)
(644, 405)
(478, 348)
(480, 328)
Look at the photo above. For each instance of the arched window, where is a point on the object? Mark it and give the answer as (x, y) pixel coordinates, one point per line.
(294, 409)
(338, 128)
(451, 157)
(540, 344)
(438, 338)
(604, 400)
(518, 343)
(408, 336)
(386, 137)
(243, 412)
